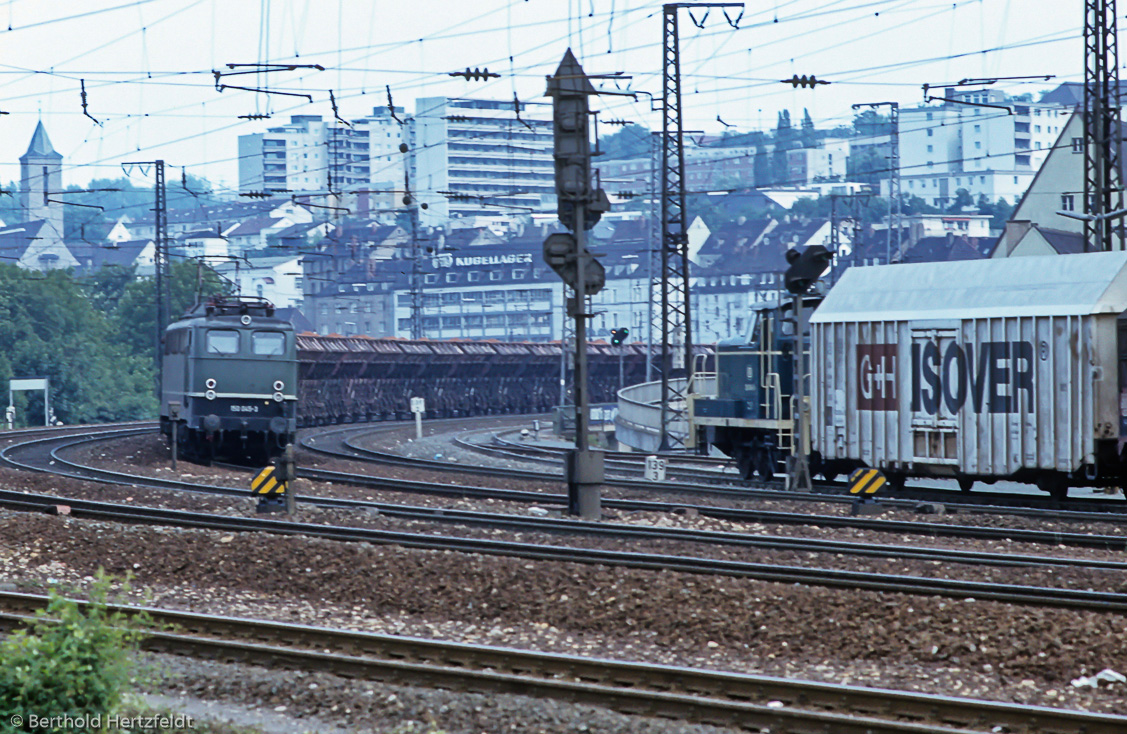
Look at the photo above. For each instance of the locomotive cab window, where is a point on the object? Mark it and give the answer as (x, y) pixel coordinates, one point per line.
(268, 343)
(753, 330)
(177, 341)
(222, 341)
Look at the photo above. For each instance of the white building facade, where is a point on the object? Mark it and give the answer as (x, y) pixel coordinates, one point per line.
(472, 157)
(278, 279)
(310, 155)
(992, 151)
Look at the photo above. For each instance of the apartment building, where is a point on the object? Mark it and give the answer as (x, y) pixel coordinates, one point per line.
(311, 155)
(983, 141)
(471, 157)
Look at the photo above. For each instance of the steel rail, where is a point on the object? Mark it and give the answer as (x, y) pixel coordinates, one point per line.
(732, 514)
(683, 693)
(825, 492)
(833, 578)
(617, 461)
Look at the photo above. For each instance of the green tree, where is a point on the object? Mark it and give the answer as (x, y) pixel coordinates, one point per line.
(134, 320)
(963, 200)
(868, 123)
(866, 165)
(120, 197)
(785, 139)
(808, 136)
(11, 209)
(999, 211)
(913, 204)
(107, 285)
(49, 328)
(632, 141)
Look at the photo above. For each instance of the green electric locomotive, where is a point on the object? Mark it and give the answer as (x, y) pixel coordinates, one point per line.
(229, 382)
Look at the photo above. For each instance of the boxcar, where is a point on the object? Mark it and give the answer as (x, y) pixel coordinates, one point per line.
(978, 370)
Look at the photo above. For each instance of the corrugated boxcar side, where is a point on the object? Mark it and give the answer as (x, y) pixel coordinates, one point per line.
(1041, 405)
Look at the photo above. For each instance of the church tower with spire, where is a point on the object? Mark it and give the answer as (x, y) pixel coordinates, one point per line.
(41, 173)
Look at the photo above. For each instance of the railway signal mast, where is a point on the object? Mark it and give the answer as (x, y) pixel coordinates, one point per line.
(805, 268)
(581, 204)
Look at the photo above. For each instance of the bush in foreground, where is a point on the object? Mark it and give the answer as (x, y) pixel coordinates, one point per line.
(75, 660)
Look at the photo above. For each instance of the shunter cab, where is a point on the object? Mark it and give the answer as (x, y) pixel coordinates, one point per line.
(749, 415)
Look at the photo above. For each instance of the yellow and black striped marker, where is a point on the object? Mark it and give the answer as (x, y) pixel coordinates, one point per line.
(266, 483)
(866, 481)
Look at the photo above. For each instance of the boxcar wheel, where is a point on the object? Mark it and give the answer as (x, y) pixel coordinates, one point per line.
(765, 464)
(745, 465)
(896, 480)
(1055, 484)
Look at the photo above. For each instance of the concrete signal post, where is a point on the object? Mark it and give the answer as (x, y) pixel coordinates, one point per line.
(418, 407)
(581, 204)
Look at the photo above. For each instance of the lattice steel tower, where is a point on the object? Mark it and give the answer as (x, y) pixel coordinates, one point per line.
(1103, 184)
(674, 358)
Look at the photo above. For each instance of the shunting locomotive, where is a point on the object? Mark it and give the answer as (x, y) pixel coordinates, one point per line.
(230, 380)
(1011, 368)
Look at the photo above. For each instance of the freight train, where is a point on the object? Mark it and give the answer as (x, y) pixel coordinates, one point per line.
(1011, 368)
(228, 405)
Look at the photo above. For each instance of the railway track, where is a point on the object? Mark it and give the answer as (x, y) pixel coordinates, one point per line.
(854, 580)
(718, 483)
(329, 443)
(688, 694)
(46, 457)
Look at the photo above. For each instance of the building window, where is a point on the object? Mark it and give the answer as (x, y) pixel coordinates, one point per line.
(1067, 203)
(929, 149)
(978, 145)
(495, 275)
(473, 276)
(930, 132)
(430, 278)
(451, 277)
(978, 128)
(982, 179)
(1078, 145)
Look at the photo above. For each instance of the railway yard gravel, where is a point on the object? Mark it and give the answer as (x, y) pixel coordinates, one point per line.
(946, 646)
(957, 647)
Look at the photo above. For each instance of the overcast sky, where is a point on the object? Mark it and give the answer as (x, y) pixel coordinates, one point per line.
(147, 64)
